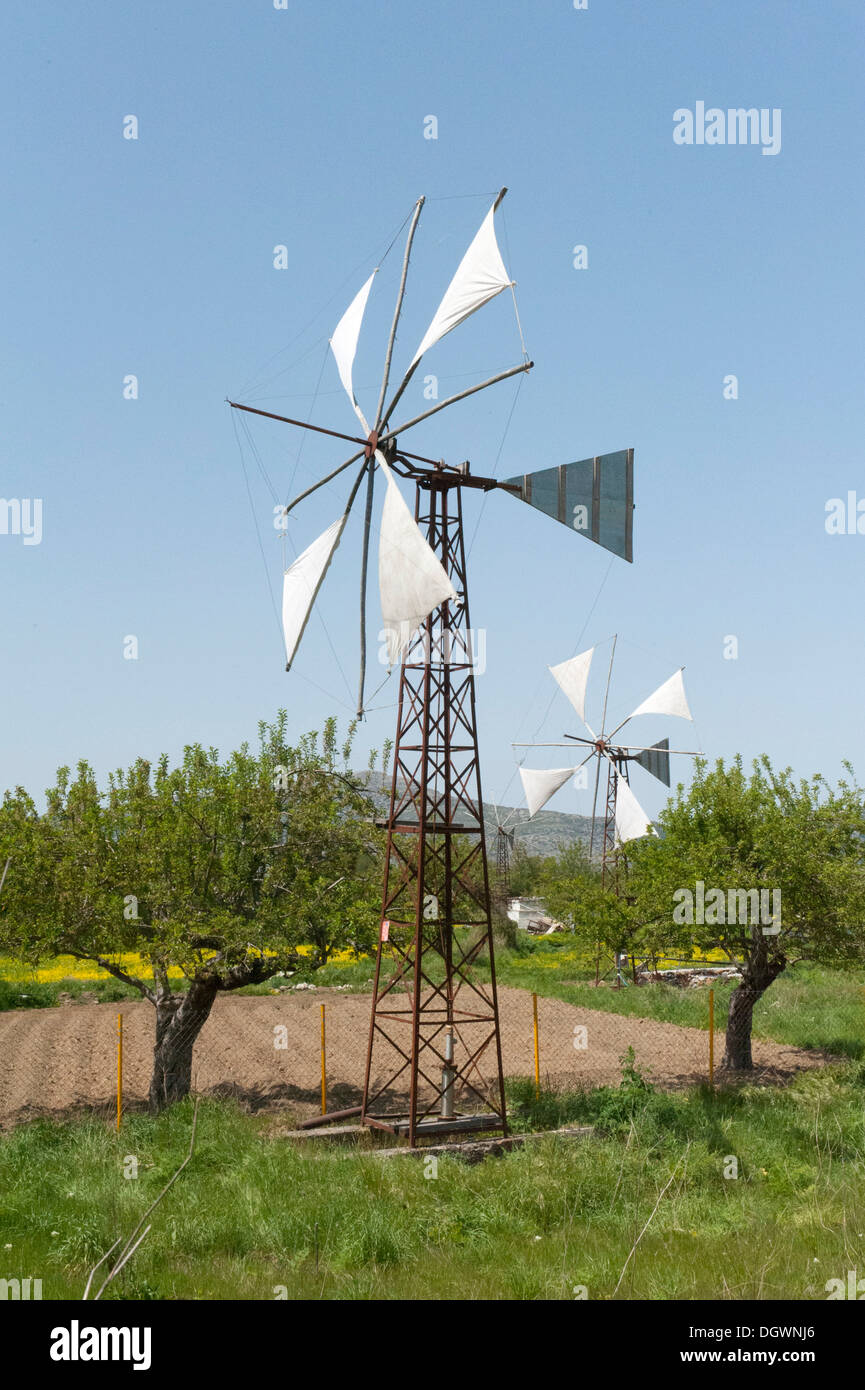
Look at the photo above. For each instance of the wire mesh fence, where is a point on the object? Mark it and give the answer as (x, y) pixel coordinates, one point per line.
(302, 1049)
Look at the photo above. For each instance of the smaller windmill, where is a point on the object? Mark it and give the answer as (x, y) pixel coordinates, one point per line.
(624, 818)
(504, 846)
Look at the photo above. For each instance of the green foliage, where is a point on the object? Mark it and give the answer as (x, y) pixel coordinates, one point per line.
(763, 831)
(526, 872)
(221, 867)
(574, 894)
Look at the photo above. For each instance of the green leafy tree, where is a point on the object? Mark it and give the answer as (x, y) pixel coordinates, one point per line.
(222, 868)
(739, 836)
(526, 872)
(571, 887)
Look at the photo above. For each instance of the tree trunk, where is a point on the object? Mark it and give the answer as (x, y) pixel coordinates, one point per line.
(737, 1055)
(755, 981)
(179, 1020)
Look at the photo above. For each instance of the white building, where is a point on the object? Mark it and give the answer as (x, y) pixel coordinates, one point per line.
(530, 915)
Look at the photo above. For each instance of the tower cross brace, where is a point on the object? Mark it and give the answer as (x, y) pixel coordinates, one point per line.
(434, 1026)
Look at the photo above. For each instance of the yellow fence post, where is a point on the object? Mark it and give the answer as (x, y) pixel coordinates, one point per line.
(323, 1071)
(711, 1037)
(537, 1054)
(119, 1068)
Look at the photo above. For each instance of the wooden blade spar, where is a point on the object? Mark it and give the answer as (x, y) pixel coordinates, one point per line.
(370, 467)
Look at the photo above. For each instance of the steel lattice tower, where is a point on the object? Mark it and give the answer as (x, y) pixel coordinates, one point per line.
(436, 875)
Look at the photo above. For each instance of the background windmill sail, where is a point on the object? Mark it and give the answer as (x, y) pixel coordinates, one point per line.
(573, 677)
(669, 698)
(624, 817)
(540, 784)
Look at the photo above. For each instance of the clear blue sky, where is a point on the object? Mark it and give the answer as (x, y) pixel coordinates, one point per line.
(304, 127)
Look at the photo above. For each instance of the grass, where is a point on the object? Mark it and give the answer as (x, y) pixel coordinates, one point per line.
(807, 1006)
(36, 994)
(245, 1218)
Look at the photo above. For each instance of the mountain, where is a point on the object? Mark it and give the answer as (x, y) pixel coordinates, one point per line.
(541, 835)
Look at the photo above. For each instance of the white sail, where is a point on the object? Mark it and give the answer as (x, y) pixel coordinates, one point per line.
(480, 276)
(301, 583)
(669, 698)
(411, 578)
(631, 820)
(540, 784)
(572, 676)
(344, 343)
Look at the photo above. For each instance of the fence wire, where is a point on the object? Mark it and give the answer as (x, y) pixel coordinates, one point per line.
(267, 1052)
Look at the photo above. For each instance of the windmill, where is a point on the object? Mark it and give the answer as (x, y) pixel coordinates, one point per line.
(504, 845)
(624, 818)
(433, 1021)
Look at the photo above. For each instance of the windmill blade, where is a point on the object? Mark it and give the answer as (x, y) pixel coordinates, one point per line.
(479, 277)
(412, 579)
(656, 760)
(343, 344)
(669, 698)
(594, 497)
(572, 676)
(301, 583)
(540, 784)
(632, 823)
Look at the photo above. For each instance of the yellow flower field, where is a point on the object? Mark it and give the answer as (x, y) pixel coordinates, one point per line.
(69, 968)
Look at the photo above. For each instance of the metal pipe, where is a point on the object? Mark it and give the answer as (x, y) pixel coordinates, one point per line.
(537, 1048)
(448, 1077)
(370, 480)
(330, 1117)
(301, 424)
(396, 314)
(329, 478)
(460, 396)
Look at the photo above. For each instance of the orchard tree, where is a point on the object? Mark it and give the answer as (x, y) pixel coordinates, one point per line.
(573, 891)
(732, 838)
(221, 868)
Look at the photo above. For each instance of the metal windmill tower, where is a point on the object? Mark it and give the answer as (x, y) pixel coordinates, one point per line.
(504, 845)
(433, 1021)
(624, 819)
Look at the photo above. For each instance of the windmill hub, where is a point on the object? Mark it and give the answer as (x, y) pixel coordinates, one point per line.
(371, 444)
